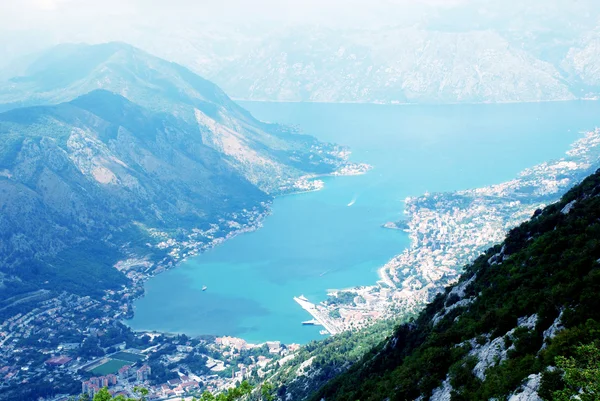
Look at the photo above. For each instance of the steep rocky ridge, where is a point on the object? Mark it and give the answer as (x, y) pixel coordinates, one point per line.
(268, 155)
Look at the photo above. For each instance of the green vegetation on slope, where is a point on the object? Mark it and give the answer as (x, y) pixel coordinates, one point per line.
(547, 270)
(581, 374)
(321, 361)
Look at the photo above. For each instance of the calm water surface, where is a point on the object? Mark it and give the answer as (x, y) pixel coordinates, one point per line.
(313, 242)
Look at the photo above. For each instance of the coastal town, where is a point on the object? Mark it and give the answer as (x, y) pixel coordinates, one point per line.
(448, 231)
(69, 345)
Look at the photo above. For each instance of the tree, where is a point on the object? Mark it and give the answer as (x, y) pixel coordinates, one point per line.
(581, 375)
(233, 394)
(141, 393)
(207, 396)
(267, 392)
(103, 395)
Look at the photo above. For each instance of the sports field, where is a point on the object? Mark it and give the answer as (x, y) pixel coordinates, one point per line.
(115, 362)
(112, 366)
(127, 356)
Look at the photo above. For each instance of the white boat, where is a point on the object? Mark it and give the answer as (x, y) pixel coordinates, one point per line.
(204, 288)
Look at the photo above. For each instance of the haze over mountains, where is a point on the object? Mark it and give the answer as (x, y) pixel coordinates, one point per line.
(415, 52)
(101, 144)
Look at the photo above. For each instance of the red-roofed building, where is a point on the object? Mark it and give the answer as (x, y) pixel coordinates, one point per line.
(174, 382)
(59, 361)
(187, 386)
(143, 373)
(112, 379)
(92, 390)
(125, 371)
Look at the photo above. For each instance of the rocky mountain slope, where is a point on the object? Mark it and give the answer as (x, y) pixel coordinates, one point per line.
(393, 65)
(107, 152)
(500, 333)
(267, 155)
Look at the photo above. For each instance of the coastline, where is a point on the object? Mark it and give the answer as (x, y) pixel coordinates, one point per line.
(174, 261)
(392, 103)
(443, 237)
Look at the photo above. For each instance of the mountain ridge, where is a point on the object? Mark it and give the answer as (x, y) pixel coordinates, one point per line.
(162, 86)
(158, 171)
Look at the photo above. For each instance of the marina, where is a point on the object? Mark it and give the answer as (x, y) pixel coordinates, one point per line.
(321, 316)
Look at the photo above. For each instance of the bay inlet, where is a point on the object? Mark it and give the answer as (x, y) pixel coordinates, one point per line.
(333, 238)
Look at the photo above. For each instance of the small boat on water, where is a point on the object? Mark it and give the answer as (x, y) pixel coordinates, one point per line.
(204, 288)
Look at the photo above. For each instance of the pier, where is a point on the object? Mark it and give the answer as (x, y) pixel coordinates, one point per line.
(320, 316)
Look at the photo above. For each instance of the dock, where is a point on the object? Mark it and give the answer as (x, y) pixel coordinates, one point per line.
(321, 317)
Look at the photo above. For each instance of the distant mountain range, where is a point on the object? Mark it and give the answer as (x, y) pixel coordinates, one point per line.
(463, 52)
(475, 51)
(101, 146)
(393, 65)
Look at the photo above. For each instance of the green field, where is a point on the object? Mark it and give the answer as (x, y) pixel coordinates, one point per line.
(112, 366)
(127, 356)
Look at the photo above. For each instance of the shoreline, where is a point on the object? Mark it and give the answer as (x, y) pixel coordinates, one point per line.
(176, 262)
(390, 103)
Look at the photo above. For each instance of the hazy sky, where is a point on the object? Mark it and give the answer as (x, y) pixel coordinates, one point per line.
(24, 14)
(101, 14)
(28, 26)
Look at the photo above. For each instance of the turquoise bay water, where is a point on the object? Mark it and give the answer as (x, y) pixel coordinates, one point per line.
(313, 242)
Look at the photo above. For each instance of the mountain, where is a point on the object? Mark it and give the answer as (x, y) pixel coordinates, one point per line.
(582, 63)
(108, 153)
(266, 154)
(458, 51)
(476, 51)
(392, 65)
(522, 314)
